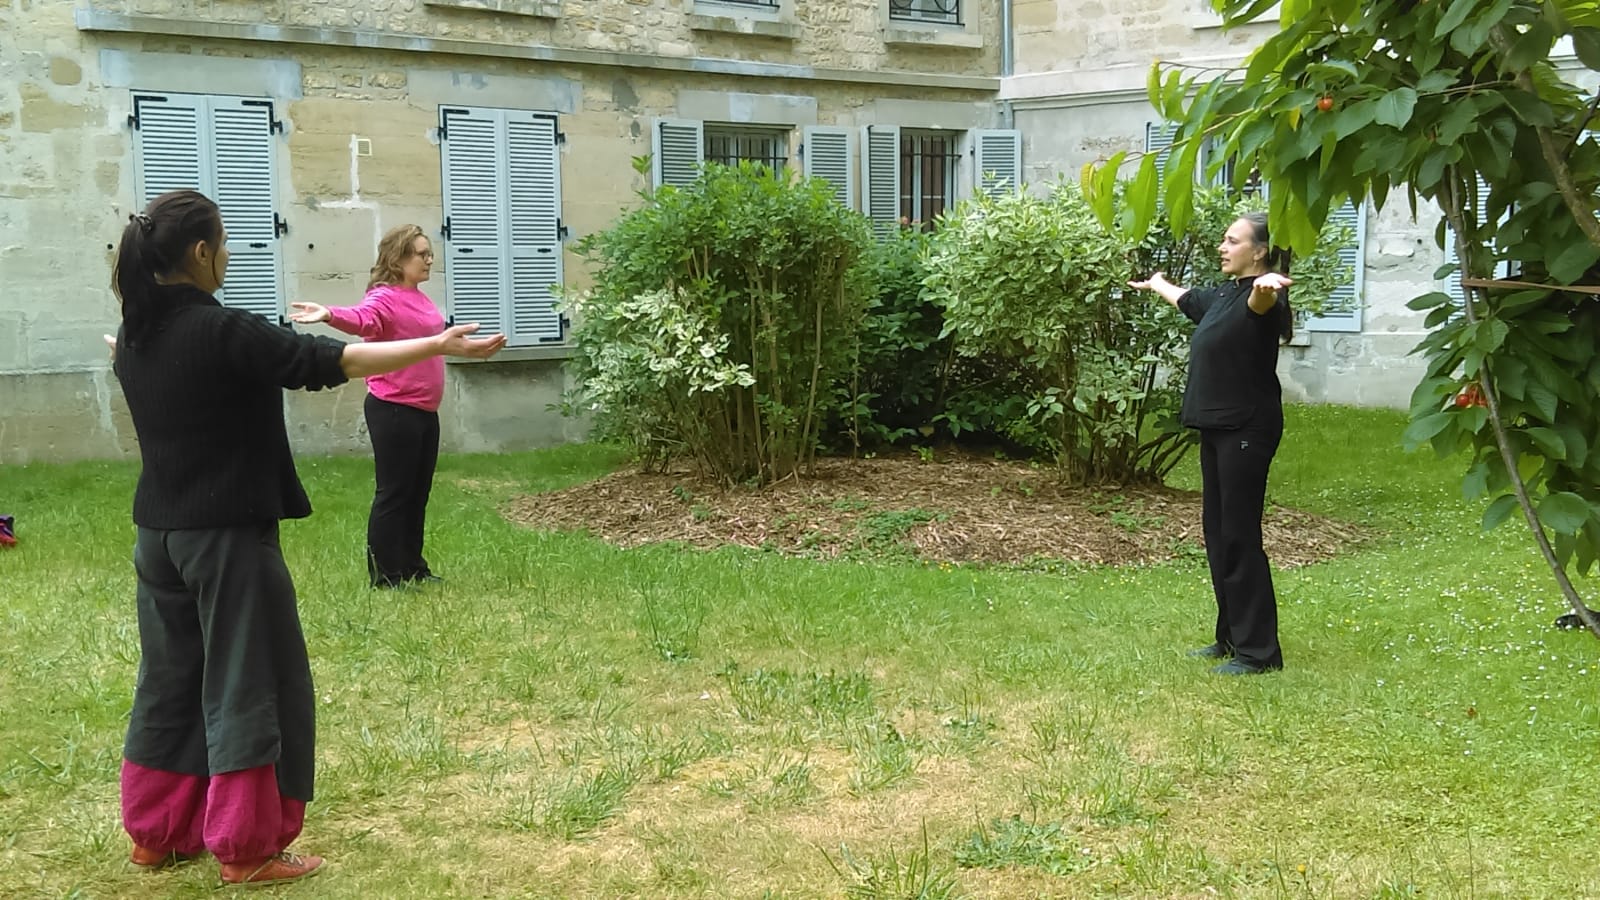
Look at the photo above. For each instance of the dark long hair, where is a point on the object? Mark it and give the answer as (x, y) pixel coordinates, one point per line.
(1278, 259)
(153, 247)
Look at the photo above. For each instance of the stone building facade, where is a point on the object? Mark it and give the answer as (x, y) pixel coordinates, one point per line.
(506, 128)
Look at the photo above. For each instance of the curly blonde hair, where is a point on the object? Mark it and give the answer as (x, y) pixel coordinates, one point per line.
(393, 251)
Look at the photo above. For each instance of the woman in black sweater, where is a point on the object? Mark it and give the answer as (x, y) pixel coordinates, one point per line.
(219, 750)
(1233, 398)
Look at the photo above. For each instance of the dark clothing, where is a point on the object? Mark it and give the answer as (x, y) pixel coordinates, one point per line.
(1233, 358)
(224, 681)
(1235, 401)
(205, 389)
(405, 452)
(1233, 477)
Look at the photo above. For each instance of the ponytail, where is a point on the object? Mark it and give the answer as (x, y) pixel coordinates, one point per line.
(154, 245)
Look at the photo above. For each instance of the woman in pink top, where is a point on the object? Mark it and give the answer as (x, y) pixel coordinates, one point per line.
(402, 407)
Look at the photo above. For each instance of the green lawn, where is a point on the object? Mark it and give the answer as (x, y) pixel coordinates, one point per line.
(566, 719)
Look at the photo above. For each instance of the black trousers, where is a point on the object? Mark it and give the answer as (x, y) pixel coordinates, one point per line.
(405, 451)
(224, 681)
(1233, 477)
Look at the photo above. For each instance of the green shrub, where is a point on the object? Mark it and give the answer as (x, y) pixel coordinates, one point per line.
(721, 318)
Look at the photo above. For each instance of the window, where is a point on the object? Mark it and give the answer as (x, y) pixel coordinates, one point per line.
(680, 145)
(943, 12)
(502, 221)
(225, 148)
(730, 145)
(914, 175)
(928, 164)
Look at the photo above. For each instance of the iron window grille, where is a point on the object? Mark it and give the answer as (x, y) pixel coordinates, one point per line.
(730, 146)
(929, 162)
(943, 12)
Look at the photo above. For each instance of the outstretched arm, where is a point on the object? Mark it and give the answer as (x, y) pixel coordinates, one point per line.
(376, 358)
(1264, 292)
(1158, 282)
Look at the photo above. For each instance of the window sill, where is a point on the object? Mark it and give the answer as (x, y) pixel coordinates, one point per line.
(951, 36)
(787, 31)
(519, 354)
(536, 9)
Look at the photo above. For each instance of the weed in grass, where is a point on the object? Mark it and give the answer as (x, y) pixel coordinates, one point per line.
(883, 757)
(850, 504)
(574, 807)
(1155, 864)
(1013, 842)
(832, 698)
(673, 627)
(1117, 795)
(782, 781)
(882, 530)
(890, 877)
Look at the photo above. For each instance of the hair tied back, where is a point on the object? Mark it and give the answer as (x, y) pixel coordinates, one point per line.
(145, 224)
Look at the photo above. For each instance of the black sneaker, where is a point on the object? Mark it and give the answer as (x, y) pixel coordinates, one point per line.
(1211, 651)
(1240, 667)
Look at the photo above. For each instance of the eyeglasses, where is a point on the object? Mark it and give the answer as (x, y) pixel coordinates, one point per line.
(426, 254)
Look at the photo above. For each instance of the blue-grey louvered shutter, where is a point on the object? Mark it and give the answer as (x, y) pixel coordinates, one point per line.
(1342, 311)
(827, 156)
(998, 153)
(679, 148)
(880, 177)
(167, 145)
(533, 174)
(1158, 140)
(242, 145)
(223, 147)
(472, 154)
(1452, 285)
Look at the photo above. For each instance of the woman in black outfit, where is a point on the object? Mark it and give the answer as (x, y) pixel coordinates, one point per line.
(1234, 400)
(219, 750)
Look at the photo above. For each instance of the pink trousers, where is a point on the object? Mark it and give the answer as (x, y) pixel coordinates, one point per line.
(238, 816)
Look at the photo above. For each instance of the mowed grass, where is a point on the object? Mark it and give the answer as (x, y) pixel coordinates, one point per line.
(565, 719)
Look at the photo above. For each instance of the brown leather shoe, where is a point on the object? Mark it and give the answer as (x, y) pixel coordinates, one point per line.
(278, 869)
(146, 858)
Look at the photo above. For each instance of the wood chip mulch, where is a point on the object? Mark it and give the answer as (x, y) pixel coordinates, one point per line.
(960, 509)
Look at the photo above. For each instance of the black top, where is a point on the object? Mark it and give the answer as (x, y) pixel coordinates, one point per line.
(1233, 358)
(205, 389)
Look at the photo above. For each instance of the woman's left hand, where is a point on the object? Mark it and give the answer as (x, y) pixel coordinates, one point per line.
(1264, 291)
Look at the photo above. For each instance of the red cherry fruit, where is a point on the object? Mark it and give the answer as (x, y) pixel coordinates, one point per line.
(1325, 103)
(1471, 395)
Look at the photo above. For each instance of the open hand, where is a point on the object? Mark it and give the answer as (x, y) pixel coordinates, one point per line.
(308, 313)
(111, 343)
(455, 342)
(1149, 283)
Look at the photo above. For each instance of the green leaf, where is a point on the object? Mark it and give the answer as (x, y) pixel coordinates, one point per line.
(1548, 442)
(1424, 428)
(1354, 117)
(1490, 334)
(1438, 81)
(1574, 260)
(1499, 511)
(1428, 301)
(1453, 17)
(1476, 482)
(1395, 107)
(1564, 512)
(1586, 43)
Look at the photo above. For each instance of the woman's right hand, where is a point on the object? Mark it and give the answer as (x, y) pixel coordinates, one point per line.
(1149, 284)
(308, 313)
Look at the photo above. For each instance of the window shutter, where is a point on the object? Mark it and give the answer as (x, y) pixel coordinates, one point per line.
(999, 153)
(679, 149)
(1342, 312)
(473, 156)
(1158, 140)
(224, 148)
(242, 145)
(167, 144)
(827, 156)
(534, 176)
(880, 177)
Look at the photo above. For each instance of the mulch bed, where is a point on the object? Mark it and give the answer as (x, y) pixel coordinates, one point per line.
(960, 509)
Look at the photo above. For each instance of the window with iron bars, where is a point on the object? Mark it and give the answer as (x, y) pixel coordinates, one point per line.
(729, 146)
(943, 12)
(929, 161)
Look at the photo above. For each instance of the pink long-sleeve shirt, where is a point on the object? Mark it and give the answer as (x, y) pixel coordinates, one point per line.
(393, 312)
